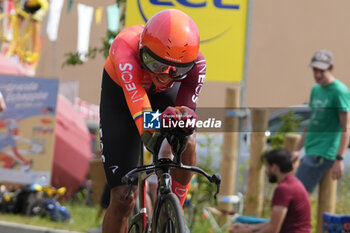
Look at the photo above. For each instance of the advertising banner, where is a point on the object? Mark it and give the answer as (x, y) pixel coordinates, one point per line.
(27, 129)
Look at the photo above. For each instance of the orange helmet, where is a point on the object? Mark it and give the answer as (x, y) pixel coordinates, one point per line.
(172, 36)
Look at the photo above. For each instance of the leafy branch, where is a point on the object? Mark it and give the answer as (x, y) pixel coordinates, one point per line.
(290, 123)
(74, 58)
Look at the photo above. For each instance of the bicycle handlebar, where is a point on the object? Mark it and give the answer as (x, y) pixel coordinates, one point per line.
(130, 178)
(177, 139)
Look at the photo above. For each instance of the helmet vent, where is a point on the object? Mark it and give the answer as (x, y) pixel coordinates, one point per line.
(169, 47)
(169, 40)
(181, 57)
(168, 54)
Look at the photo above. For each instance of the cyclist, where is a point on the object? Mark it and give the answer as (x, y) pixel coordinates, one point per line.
(37, 9)
(7, 139)
(157, 66)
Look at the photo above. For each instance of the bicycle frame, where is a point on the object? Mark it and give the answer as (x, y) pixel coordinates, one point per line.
(161, 167)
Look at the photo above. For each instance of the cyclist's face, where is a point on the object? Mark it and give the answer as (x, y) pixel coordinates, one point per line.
(161, 80)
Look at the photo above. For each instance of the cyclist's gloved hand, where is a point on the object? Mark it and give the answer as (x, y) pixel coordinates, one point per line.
(189, 117)
(152, 141)
(169, 116)
(183, 113)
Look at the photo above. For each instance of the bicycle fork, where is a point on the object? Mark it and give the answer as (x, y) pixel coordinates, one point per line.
(164, 178)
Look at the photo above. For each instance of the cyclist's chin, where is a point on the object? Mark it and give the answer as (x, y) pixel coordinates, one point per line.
(160, 82)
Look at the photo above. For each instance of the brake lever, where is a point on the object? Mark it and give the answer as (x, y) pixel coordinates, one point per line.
(129, 181)
(216, 178)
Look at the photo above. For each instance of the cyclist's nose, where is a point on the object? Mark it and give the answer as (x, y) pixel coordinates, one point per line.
(168, 70)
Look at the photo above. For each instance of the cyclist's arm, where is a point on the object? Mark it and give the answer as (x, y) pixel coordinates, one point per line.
(127, 75)
(278, 214)
(135, 95)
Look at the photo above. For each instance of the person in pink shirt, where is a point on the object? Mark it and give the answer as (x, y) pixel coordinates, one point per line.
(290, 206)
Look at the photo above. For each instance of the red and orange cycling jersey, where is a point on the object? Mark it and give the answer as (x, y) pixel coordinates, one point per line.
(124, 66)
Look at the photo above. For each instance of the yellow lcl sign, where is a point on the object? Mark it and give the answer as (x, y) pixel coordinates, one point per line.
(222, 27)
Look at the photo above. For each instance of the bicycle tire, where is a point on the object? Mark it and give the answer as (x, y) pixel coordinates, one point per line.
(168, 216)
(135, 225)
(135, 228)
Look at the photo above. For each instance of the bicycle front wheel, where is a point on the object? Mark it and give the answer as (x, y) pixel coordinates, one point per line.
(136, 223)
(168, 216)
(135, 228)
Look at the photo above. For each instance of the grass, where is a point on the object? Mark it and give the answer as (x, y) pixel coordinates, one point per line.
(83, 218)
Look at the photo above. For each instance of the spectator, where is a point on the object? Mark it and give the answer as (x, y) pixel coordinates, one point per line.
(37, 10)
(327, 135)
(290, 207)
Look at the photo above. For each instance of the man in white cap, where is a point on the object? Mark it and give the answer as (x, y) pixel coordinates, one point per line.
(327, 135)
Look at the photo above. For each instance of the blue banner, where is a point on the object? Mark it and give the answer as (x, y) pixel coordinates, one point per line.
(27, 128)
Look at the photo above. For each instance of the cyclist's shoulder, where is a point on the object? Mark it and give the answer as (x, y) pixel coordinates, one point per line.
(131, 33)
(126, 42)
(199, 70)
(201, 62)
(200, 56)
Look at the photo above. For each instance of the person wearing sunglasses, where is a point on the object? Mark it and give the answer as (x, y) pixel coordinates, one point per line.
(156, 67)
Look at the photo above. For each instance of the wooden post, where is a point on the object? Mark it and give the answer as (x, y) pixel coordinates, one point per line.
(254, 197)
(230, 152)
(327, 194)
(290, 143)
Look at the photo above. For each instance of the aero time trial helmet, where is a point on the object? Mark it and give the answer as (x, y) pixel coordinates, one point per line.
(169, 43)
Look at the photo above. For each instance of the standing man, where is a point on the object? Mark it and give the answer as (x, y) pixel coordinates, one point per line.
(327, 135)
(290, 207)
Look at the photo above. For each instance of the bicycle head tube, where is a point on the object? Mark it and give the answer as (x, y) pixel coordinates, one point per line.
(164, 181)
